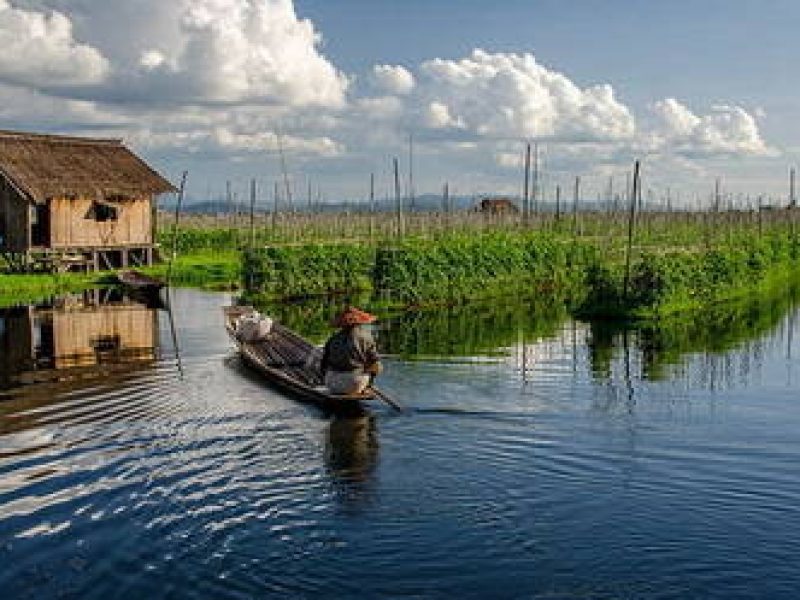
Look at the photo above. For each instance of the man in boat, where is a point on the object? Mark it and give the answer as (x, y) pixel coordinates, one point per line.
(350, 358)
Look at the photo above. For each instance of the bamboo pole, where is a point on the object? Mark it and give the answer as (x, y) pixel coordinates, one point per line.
(535, 183)
(285, 172)
(575, 200)
(398, 200)
(526, 209)
(411, 198)
(371, 205)
(558, 203)
(252, 213)
(631, 227)
(174, 255)
(275, 212)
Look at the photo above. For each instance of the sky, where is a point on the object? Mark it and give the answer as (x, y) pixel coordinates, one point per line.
(696, 90)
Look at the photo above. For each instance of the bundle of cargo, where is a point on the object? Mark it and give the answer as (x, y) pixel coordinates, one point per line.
(252, 327)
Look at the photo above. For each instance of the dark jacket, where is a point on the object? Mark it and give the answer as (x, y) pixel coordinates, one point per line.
(349, 350)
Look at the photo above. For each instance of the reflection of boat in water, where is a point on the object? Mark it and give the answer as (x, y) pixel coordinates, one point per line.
(291, 364)
(79, 336)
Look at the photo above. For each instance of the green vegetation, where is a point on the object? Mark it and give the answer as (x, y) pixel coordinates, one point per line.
(456, 268)
(449, 269)
(208, 270)
(284, 272)
(589, 273)
(680, 261)
(668, 282)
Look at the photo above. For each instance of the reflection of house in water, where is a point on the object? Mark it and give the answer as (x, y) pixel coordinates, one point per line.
(76, 336)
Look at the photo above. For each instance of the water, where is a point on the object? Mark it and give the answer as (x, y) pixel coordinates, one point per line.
(541, 458)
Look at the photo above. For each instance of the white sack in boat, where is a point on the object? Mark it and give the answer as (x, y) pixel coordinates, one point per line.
(253, 328)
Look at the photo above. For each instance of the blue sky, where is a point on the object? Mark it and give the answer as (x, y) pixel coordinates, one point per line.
(703, 52)
(699, 90)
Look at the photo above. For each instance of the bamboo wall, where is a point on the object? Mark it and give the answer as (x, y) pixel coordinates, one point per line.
(14, 219)
(69, 226)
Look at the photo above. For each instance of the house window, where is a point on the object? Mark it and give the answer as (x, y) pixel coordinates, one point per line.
(102, 212)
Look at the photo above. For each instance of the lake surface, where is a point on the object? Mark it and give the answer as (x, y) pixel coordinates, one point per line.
(540, 458)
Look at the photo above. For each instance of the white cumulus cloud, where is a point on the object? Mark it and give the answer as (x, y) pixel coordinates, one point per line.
(393, 79)
(725, 130)
(38, 49)
(238, 51)
(505, 95)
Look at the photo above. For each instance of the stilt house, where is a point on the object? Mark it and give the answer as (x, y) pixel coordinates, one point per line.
(70, 202)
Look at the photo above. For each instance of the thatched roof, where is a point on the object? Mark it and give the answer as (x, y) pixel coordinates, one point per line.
(47, 166)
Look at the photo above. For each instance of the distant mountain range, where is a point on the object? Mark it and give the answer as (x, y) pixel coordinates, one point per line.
(423, 203)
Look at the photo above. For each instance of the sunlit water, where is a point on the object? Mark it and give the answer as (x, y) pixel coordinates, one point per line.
(556, 461)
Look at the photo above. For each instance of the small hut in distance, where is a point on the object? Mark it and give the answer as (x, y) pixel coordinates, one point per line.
(69, 202)
(498, 206)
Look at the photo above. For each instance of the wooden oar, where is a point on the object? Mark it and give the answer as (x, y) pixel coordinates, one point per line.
(388, 400)
(385, 397)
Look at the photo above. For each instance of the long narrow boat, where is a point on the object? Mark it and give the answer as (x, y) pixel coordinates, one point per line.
(291, 364)
(136, 280)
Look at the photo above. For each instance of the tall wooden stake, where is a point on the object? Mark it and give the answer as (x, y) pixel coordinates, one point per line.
(229, 198)
(631, 226)
(575, 200)
(398, 199)
(558, 203)
(535, 186)
(411, 195)
(252, 213)
(526, 209)
(275, 210)
(285, 172)
(371, 205)
(181, 193)
(446, 204)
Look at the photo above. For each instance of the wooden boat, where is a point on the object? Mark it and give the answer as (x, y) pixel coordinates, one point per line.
(136, 280)
(292, 365)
